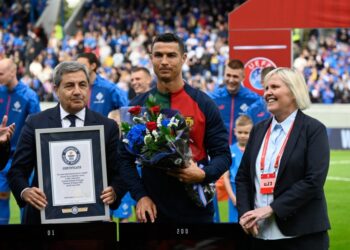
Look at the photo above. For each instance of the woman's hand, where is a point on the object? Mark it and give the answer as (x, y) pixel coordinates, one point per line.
(249, 220)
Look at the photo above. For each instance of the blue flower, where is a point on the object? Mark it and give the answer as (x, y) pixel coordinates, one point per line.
(165, 122)
(136, 135)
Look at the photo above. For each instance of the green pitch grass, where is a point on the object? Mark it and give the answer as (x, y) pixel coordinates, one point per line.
(14, 213)
(337, 190)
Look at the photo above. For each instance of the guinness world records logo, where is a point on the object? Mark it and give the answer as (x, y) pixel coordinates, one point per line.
(71, 155)
(253, 70)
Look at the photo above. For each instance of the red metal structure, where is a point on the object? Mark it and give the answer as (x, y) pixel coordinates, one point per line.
(260, 30)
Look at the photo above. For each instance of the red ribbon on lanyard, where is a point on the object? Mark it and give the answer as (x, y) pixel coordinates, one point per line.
(266, 142)
(268, 180)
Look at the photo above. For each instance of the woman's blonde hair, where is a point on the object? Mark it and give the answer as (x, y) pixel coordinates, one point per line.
(295, 82)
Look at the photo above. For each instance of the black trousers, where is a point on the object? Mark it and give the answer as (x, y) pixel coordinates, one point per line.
(319, 241)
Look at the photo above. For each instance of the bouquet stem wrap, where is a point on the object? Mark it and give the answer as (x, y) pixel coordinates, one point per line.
(201, 194)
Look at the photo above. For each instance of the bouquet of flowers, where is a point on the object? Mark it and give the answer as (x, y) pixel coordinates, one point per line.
(159, 138)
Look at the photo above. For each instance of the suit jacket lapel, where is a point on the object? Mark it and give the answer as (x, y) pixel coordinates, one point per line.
(90, 118)
(293, 138)
(55, 117)
(259, 136)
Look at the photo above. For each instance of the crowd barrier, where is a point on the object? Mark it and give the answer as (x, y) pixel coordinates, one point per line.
(336, 117)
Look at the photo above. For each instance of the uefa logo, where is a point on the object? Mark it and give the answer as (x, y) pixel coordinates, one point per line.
(253, 70)
(71, 155)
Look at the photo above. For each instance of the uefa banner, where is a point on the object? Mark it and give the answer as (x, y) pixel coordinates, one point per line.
(259, 49)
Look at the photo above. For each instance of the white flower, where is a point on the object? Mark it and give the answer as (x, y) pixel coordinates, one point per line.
(138, 119)
(159, 120)
(156, 135)
(145, 115)
(126, 141)
(173, 122)
(147, 139)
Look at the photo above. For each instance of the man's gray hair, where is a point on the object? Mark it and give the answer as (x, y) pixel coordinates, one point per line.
(68, 67)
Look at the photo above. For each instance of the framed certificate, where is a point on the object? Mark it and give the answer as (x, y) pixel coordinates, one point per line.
(72, 173)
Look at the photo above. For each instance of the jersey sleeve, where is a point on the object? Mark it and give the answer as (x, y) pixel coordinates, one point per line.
(119, 97)
(34, 104)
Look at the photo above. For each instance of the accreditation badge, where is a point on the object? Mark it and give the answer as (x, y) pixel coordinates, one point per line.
(267, 183)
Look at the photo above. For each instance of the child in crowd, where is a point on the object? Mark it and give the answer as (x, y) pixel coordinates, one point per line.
(242, 130)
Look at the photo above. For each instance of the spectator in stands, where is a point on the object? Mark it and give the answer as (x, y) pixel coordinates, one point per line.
(327, 95)
(117, 37)
(326, 64)
(17, 101)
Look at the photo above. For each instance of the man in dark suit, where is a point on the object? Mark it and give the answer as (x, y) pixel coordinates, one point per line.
(71, 86)
(5, 136)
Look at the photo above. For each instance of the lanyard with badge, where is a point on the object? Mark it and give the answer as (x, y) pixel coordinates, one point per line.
(268, 180)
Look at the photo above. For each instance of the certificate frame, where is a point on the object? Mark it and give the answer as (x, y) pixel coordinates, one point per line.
(72, 173)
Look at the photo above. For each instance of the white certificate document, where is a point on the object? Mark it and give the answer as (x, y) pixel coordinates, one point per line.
(72, 173)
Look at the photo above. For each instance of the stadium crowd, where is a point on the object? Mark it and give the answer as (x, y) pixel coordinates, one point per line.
(120, 33)
(324, 58)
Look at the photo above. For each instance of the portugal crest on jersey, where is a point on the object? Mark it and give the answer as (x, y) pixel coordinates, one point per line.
(189, 121)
